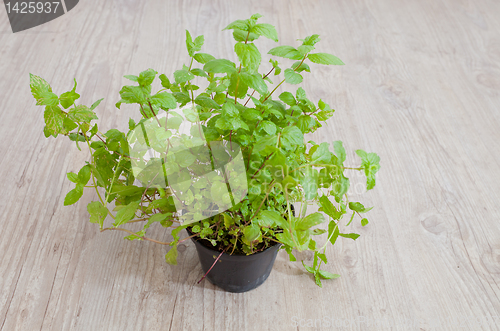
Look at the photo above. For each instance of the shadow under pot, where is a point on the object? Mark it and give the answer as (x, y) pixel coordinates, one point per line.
(235, 273)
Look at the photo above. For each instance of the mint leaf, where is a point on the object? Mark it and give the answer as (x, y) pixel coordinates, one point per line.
(95, 104)
(97, 212)
(304, 49)
(126, 214)
(67, 99)
(171, 256)
(164, 81)
(291, 136)
(288, 98)
(324, 58)
(133, 78)
(327, 275)
(182, 76)
(266, 30)
(309, 183)
(287, 52)
(84, 175)
(72, 177)
(38, 86)
(268, 126)
(54, 118)
(203, 58)
(300, 66)
(352, 236)
(254, 81)
(238, 24)
(248, 55)
(339, 151)
(81, 114)
(47, 99)
(250, 233)
(206, 102)
(357, 206)
(311, 40)
(370, 163)
(333, 232)
(309, 221)
(164, 100)
(146, 77)
(292, 77)
(74, 195)
(220, 66)
(364, 222)
(328, 208)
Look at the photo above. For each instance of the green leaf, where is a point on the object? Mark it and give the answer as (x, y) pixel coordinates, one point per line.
(268, 126)
(126, 214)
(288, 98)
(311, 40)
(81, 114)
(370, 162)
(146, 77)
(352, 236)
(327, 275)
(339, 151)
(203, 58)
(199, 72)
(300, 66)
(230, 110)
(328, 208)
(304, 49)
(206, 102)
(250, 233)
(292, 77)
(333, 232)
(309, 269)
(309, 183)
(164, 81)
(53, 117)
(255, 81)
(270, 218)
(95, 104)
(321, 155)
(291, 136)
(266, 30)
(97, 212)
(132, 94)
(248, 55)
(357, 206)
(309, 221)
(68, 99)
(84, 175)
(220, 66)
(171, 256)
(74, 195)
(240, 35)
(364, 222)
(72, 177)
(182, 76)
(48, 99)
(238, 24)
(287, 52)
(324, 58)
(133, 78)
(38, 87)
(164, 100)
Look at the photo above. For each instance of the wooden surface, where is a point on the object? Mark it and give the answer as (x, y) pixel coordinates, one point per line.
(420, 87)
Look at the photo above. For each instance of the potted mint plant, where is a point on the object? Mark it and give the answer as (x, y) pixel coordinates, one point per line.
(227, 161)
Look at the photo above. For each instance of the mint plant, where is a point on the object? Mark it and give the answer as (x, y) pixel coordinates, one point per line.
(238, 110)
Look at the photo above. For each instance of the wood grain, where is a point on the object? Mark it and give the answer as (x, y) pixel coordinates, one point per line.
(421, 87)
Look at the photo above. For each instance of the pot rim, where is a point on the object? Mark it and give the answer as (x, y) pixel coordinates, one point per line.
(197, 241)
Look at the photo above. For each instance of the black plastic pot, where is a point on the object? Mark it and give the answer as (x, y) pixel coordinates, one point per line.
(236, 273)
